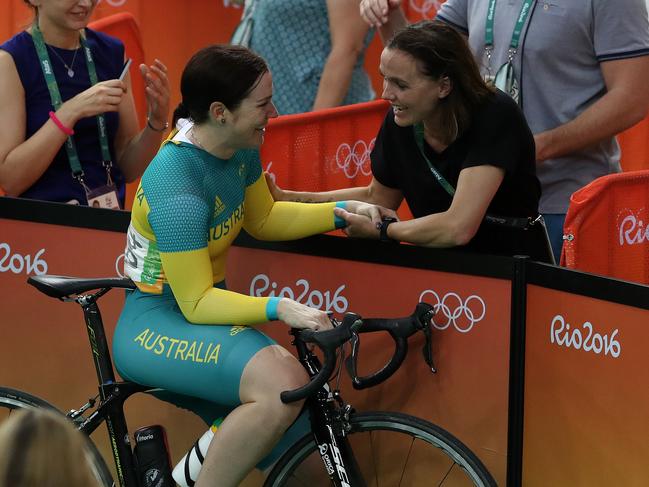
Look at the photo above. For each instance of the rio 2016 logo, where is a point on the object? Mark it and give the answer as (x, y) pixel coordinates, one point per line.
(17, 263)
(261, 285)
(584, 339)
(632, 230)
(451, 309)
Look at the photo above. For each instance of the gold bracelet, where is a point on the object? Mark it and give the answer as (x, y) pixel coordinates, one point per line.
(165, 127)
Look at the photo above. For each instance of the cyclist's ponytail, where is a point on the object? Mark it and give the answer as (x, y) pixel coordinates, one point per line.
(181, 111)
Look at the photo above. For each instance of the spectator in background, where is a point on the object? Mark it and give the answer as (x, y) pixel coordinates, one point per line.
(35, 159)
(315, 50)
(580, 69)
(40, 448)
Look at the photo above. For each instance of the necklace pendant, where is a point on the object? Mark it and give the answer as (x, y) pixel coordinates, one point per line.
(70, 73)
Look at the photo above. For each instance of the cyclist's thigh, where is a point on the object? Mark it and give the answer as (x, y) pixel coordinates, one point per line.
(155, 345)
(208, 411)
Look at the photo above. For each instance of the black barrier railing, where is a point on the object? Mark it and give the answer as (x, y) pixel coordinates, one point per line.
(516, 373)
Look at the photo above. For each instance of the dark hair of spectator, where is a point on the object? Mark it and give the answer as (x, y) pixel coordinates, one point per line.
(441, 51)
(220, 72)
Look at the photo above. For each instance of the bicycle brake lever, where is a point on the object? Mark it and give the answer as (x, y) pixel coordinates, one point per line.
(427, 350)
(352, 361)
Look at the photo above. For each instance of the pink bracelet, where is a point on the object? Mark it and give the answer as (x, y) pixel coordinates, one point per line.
(59, 124)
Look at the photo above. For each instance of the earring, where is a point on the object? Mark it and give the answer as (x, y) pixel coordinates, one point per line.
(223, 120)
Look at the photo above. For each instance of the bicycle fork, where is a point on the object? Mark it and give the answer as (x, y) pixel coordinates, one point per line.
(329, 426)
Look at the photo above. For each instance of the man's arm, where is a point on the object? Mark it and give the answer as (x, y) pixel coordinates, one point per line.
(625, 103)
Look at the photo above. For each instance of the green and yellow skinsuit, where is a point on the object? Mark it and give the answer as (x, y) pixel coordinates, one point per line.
(181, 330)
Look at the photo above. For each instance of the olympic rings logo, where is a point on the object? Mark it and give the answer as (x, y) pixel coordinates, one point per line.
(462, 314)
(427, 8)
(355, 159)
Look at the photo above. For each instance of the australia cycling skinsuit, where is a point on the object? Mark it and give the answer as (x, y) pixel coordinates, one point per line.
(188, 210)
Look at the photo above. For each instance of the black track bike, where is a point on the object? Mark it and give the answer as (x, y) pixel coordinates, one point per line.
(346, 448)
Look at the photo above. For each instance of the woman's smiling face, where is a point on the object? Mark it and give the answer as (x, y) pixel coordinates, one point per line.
(67, 14)
(251, 117)
(413, 95)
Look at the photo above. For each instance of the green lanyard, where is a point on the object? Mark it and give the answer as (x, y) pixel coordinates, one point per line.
(419, 139)
(55, 96)
(518, 28)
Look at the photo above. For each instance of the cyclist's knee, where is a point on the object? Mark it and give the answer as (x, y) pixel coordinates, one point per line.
(270, 372)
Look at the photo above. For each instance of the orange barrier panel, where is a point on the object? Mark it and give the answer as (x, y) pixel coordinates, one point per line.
(635, 147)
(323, 150)
(606, 227)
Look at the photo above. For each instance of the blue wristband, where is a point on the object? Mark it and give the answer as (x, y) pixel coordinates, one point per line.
(271, 308)
(339, 222)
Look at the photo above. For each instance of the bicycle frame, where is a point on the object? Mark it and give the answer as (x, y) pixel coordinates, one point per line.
(331, 418)
(329, 425)
(328, 422)
(112, 395)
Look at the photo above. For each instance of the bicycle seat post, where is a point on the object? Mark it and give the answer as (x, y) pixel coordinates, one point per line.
(98, 342)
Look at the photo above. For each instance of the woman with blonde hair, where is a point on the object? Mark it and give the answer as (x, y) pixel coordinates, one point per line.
(40, 448)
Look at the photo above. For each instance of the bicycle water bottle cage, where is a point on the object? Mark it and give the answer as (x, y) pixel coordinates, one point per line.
(400, 329)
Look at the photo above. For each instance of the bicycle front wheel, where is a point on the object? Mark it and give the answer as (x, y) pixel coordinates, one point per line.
(12, 400)
(392, 449)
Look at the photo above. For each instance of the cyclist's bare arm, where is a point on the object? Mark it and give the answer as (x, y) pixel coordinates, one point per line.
(375, 193)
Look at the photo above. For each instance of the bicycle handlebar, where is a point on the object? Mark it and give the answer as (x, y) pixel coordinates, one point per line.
(352, 324)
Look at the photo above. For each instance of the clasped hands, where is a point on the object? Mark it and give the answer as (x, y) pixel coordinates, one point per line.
(363, 219)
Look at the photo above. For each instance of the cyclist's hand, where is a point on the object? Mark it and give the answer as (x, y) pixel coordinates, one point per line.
(374, 212)
(100, 98)
(375, 12)
(277, 193)
(358, 226)
(297, 315)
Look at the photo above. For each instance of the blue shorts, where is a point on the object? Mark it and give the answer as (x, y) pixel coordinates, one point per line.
(198, 367)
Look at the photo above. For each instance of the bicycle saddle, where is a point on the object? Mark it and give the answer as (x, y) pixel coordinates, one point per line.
(62, 286)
